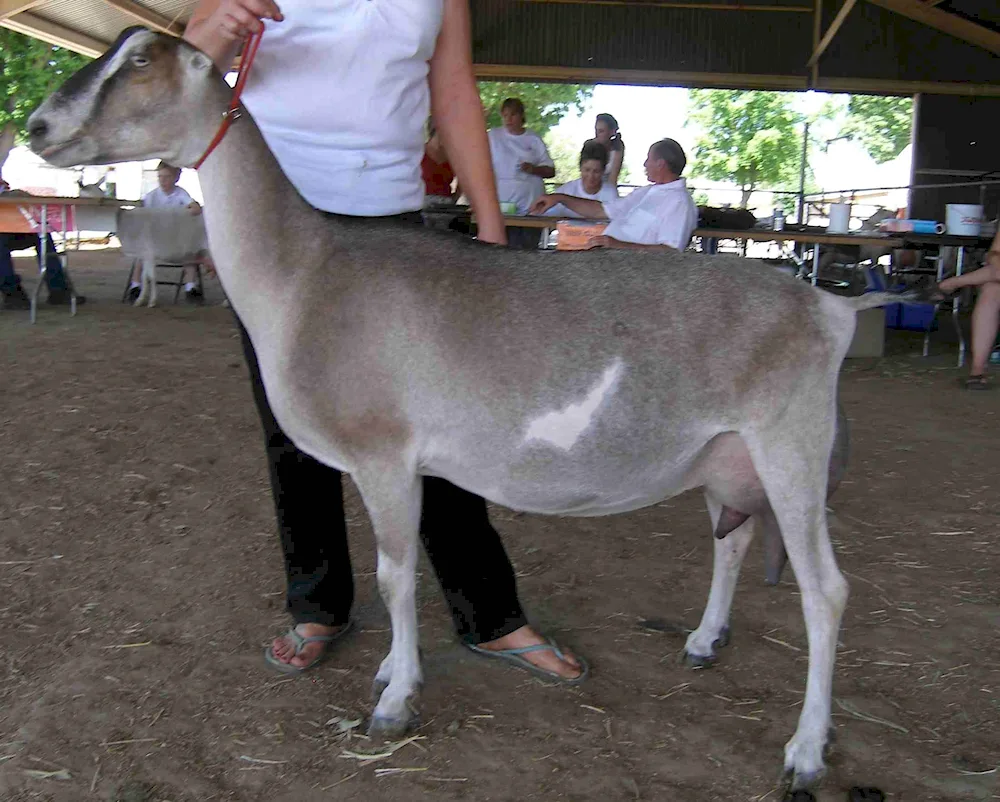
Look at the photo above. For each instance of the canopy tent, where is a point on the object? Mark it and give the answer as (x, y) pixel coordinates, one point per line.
(898, 46)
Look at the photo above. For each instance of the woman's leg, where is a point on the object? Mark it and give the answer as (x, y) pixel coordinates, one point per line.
(477, 577)
(985, 323)
(309, 504)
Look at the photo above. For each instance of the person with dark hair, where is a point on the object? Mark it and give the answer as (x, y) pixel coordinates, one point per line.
(591, 183)
(658, 217)
(520, 162)
(606, 132)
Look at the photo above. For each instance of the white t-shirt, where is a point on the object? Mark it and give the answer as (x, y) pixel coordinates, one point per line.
(660, 214)
(158, 199)
(339, 90)
(508, 151)
(606, 193)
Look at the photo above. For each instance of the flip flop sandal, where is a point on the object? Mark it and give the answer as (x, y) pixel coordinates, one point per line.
(300, 643)
(513, 656)
(976, 383)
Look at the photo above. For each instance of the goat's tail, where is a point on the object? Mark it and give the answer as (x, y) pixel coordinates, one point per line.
(870, 300)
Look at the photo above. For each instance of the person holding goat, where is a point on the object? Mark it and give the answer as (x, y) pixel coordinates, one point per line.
(340, 91)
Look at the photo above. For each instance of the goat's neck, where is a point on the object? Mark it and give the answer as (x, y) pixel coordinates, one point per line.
(248, 205)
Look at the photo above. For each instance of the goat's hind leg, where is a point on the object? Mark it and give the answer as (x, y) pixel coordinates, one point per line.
(713, 631)
(392, 496)
(792, 461)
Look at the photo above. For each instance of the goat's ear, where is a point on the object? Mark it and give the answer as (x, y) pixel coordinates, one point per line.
(200, 61)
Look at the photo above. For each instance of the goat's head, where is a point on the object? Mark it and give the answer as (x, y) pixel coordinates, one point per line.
(149, 96)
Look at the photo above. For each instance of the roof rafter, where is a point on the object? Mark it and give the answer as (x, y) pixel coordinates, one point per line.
(146, 17)
(831, 31)
(932, 17)
(53, 33)
(9, 8)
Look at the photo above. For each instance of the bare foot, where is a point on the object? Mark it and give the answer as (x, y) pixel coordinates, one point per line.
(284, 649)
(545, 659)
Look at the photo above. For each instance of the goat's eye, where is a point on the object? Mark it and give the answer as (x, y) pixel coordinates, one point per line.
(139, 60)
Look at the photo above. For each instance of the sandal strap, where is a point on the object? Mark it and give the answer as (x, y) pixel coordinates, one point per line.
(538, 647)
(301, 641)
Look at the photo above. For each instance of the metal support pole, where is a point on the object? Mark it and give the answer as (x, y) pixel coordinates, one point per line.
(802, 175)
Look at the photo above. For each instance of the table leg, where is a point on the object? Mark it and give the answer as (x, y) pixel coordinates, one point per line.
(959, 260)
(42, 259)
(815, 275)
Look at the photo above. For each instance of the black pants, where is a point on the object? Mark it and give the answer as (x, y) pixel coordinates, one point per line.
(464, 549)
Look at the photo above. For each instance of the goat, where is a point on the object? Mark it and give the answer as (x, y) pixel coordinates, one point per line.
(578, 383)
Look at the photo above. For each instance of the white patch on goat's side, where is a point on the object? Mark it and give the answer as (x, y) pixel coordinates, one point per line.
(562, 428)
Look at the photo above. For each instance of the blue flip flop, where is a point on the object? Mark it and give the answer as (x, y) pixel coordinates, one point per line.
(514, 657)
(300, 643)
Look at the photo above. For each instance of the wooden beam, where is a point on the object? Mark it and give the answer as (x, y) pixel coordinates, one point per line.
(943, 21)
(781, 83)
(53, 33)
(817, 30)
(595, 75)
(831, 31)
(8, 8)
(679, 4)
(932, 2)
(147, 17)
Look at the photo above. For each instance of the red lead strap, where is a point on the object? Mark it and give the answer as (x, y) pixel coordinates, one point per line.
(233, 112)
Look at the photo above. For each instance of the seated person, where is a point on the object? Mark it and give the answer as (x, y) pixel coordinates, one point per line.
(14, 296)
(591, 183)
(168, 195)
(985, 314)
(659, 217)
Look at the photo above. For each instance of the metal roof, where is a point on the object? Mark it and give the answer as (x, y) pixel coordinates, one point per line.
(903, 46)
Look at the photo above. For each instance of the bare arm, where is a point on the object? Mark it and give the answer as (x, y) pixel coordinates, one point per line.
(616, 166)
(604, 241)
(582, 206)
(217, 27)
(541, 170)
(458, 115)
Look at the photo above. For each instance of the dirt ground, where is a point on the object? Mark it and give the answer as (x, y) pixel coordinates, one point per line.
(140, 578)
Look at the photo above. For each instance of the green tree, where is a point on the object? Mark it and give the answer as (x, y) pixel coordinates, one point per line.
(882, 125)
(544, 104)
(29, 71)
(750, 138)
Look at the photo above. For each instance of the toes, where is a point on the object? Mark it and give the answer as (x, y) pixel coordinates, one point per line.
(723, 639)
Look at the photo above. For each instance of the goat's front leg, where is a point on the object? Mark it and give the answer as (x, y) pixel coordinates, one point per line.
(393, 499)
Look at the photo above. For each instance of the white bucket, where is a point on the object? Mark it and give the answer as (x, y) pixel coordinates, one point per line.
(963, 219)
(840, 218)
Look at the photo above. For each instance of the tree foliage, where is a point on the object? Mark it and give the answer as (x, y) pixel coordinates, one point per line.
(544, 104)
(883, 125)
(750, 138)
(29, 71)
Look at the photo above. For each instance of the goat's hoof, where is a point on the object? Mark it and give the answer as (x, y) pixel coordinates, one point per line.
(693, 660)
(802, 795)
(383, 728)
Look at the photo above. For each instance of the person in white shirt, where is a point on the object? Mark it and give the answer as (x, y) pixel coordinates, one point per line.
(520, 162)
(340, 90)
(660, 216)
(167, 195)
(606, 132)
(591, 183)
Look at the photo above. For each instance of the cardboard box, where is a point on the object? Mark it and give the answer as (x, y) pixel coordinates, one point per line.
(574, 235)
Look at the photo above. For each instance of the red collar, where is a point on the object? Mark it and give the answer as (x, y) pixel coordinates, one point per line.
(233, 113)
